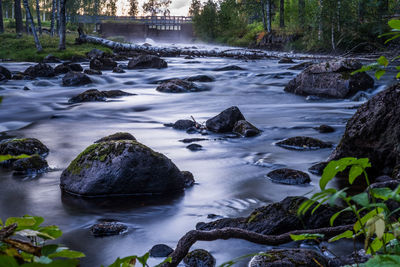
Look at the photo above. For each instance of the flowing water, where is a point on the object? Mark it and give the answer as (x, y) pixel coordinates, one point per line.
(230, 173)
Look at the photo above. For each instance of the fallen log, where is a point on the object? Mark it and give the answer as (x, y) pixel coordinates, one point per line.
(191, 237)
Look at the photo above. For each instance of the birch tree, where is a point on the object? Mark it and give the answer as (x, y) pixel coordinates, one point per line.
(38, 17)
(30, 19)
(53, 16)
(1, 18)
(18, 16)
(63, 22)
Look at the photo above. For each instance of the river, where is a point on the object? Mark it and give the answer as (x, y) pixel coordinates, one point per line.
(230, 173)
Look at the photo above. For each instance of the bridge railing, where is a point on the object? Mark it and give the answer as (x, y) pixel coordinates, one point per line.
(148, 20)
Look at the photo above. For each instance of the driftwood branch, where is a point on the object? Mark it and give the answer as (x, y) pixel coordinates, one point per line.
(7, 231)
(186, 242)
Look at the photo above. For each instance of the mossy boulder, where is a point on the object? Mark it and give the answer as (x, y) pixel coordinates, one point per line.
(147, 62)
(116, 137)
(245, 129)
(296, 257)
(28, 146)
(122, 167)
(281, 217)
(31, 165)
(40, 70)
(199, 258)
(331, 79)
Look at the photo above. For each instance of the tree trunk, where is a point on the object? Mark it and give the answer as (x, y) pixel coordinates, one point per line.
(63, 22)
(361, 11)
(339, 6)
(26, 23)
(282, 14)
(38, 17)
(1, 18)
(58, 16)
(18, 16)
(30, 19)
(302, 8)
(333, 36)
(269, 16)
(262, 3)
(321, 3)
(53, 17)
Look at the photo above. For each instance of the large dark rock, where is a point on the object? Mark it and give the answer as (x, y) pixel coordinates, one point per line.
(6, 73)
(303, 143)
(40, 70)
(291, 257)
(289, 176)
(94, 95)
(160, 250)
(121, 167)
(318, 168)
(325, 129)
(183, 124)
(179, 86)
(281, 217)
(330, 79)
(73, 78)
(2, 77)
(374, 132)
(108, 228)
(245, 128)
(28, 146)
(225, 121)
(31, 165)
(199, 258)
(147, 62)
(102, 63)
(61, 69)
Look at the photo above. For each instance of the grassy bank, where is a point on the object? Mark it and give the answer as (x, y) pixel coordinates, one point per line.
(23, 48)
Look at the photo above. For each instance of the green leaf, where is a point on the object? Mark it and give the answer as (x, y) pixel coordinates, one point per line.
(120, 262)
(1, 223)
(361, 199)
(8, 261)
(334, 216)
(143, 259)
(56, 263)
(355, 171)
(394, 24)
(379, 74)
(383, 61)
(50, 232)
(382, 193)
(346, 234)
(333, 168)
(66, 253)
(383, 260)
(392, 38)
(357, 226)
(306, 237)
(398, 76)
(375, 245)
(49, 249)
(22, 222)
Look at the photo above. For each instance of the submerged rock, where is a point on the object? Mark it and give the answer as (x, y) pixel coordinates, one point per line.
(147, 62)
(227, 68)
(116, 137)
(160, 250)
(93, 95)
(93, 72)
(245, 128)
(30, 165)
(199, 258)
(61, 69)
(121, 167)
(116, 93)
(325, 129)
(318, 168)
(281, 217)
(27, 146)
(189, 178)
(331, 79)
(183, 124)
(40, 70)
(194, 147)
(191, 140)
(179, 86)
(373, 132)
(293, 257)
(102, 64)
(5, 72)
(289, 176)
(73, 78)
(118, 70)
(303, 143)
(108, 228)
(225, 121)
(201, 78)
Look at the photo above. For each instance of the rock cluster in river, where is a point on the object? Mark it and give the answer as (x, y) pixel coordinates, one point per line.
(74, 78)
(179, 86)
(332, 79)
(281, 217)
(122, 167)
(94, 95)
(40, 70)
(147, 62)
(373, 132)
(26, 156)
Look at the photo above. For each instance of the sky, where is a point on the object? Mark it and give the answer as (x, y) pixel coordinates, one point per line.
(177, 8)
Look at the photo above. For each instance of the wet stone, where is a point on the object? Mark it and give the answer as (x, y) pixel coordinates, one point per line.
(228, 68)
(179, 86)
(118, 70)
(325, 129)
(192, 140)
(289, 176)
(31, 165)
(28, 146)
(160, 250)
(199, 258)
(194, 147)
(225, 121)
(108, 228)
(318, 168)
(303, 143)
(183, 124)
(116, 137)
(201, 78)
(245, 129)
(73, 78)
(188, 178)
(93, 72)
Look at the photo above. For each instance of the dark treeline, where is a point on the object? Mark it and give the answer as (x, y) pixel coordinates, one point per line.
(312, 24)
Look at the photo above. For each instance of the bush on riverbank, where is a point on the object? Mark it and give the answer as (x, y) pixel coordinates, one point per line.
(23, 48)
